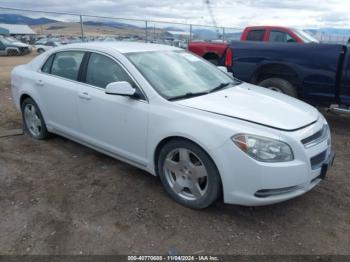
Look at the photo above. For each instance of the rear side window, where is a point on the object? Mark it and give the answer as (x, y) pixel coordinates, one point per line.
(103, 70)
(66, 64)
(47, 66)
(278, 36)
(256, 35)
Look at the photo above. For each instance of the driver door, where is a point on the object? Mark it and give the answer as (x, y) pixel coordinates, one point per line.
(117, 124)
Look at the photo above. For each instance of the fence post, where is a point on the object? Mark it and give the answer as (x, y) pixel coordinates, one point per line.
(223, 34)
(82, 28)
(154, 33)
(190, 32)
(146, 33)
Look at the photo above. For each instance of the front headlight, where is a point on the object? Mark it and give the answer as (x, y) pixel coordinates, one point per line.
(264, 149)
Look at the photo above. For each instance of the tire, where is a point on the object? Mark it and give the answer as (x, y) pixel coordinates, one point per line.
(33, 120)
(188, 174)
(213, 61)
(279, 85)
(40, 51)
(212, 58)
(12, 52)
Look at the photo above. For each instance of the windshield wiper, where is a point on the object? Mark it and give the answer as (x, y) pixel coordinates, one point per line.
(187, 95)
(219, 87)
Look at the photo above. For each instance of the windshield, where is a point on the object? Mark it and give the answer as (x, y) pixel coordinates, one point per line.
(179, 74)
(305, 36)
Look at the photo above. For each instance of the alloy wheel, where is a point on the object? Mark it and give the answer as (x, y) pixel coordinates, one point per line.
(32, 120)
(186, 174)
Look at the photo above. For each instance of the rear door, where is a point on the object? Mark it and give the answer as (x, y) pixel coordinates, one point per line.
(256, 35)
(58, 86)
(118, 124)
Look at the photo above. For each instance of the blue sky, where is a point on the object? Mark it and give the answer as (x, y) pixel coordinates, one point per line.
(231, 13)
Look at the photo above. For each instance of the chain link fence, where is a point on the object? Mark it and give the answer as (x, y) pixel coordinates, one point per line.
(67, 28)
(70, 28)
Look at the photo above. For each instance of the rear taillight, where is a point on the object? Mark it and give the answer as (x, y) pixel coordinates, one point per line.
(228, 58)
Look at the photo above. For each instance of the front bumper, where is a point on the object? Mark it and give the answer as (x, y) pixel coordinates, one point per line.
(252, 183)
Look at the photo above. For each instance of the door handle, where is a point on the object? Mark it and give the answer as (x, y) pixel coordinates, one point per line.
(84, 95)
(39, 82)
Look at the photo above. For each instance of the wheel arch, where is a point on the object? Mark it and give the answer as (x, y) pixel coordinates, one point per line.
(24, 96)
(211, 55)
(168, 139)
(276, 70)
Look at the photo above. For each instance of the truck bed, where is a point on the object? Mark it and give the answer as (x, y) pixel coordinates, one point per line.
(315, 70)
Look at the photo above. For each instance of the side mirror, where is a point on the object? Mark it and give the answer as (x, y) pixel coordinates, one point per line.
(223, 68)
(121, 88)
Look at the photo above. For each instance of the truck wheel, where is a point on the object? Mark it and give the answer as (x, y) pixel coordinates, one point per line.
(212, 58)
(279, 85)
(214, 61)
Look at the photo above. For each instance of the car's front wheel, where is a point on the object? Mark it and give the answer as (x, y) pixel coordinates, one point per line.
(33, 120)
(189, 174)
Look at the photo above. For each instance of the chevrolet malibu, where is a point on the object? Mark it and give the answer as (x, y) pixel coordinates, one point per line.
(171, 113)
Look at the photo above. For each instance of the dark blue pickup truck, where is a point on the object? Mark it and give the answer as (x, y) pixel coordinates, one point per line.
(316, 73)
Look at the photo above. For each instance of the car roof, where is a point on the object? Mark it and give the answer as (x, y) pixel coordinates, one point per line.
(122, 47)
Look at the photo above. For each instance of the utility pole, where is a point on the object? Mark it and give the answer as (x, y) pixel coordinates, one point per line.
(82, 28)
(210, 10)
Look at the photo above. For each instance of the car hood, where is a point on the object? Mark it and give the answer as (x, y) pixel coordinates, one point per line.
(258, 105)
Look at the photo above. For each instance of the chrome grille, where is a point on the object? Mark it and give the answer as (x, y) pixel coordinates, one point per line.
(316, 138)
(317, 161)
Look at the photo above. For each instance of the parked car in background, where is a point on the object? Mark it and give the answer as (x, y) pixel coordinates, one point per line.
(43, 47)
(12, 47)
(214, 51)
(203, 132)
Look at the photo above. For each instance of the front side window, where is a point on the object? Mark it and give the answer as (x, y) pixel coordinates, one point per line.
(307, 38)
(66, 64)
(278, 36)
(103, 70)
(177, 73)
(256, 35)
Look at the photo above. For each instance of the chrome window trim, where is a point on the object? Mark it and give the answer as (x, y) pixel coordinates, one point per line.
(96, 87)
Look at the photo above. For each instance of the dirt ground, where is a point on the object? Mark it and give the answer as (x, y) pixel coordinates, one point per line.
(58, 197)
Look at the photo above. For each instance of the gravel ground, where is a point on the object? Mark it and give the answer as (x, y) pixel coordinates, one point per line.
(58, 197)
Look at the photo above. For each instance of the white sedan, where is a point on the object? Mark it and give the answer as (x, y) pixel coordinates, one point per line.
(173, 114)
(43, 47)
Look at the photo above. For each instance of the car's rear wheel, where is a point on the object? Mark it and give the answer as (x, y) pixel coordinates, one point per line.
(40, 51)
(34, 123)
(188, 174)
(279, 85)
